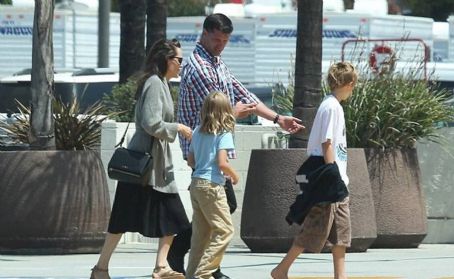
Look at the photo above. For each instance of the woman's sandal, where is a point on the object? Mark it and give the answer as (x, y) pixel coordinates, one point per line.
(165, 272)
(98, 273)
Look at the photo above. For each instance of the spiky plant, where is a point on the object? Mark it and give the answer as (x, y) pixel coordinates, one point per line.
(395, 111)
(387, 111)
(17, 130)
(74, 130)
(282, 96)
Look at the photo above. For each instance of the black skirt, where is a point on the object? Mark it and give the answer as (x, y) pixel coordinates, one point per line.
(144, 210)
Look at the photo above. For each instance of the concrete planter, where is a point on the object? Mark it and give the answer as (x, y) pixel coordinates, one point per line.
(271, 189)
(435, 161)
(52, 202)
(364, 227)
(398, 197)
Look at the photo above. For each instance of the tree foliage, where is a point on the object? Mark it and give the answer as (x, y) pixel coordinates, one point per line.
(186, 7)
(348, 4)
(176, 7)
(115, 7)
(439, 10)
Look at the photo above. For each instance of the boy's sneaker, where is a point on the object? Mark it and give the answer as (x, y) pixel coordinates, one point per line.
(219, 275)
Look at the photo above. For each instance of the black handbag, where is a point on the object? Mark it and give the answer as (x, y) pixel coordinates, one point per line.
(130, 166)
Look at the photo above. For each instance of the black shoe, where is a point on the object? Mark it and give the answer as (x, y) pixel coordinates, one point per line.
(219, 275)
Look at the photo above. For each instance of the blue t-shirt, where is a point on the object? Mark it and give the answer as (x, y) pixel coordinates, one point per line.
(205, 148)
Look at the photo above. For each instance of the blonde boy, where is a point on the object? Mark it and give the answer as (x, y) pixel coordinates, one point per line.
(327, 222)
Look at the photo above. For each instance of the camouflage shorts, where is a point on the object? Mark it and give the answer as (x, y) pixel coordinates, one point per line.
(326, 223)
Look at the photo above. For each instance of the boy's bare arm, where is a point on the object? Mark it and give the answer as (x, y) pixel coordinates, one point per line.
(328, 152)
(190, 160)
(225, 167)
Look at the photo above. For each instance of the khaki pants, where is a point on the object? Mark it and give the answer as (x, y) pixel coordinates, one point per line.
(212, 228)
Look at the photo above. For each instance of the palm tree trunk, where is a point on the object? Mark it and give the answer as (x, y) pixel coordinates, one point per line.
(308, 67)
(156, 21)
(132, 37)
(41, 134)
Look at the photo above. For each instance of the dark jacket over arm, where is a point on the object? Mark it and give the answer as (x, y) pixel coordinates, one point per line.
(319, 183)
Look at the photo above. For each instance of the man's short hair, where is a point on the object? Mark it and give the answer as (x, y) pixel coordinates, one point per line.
(218, 22)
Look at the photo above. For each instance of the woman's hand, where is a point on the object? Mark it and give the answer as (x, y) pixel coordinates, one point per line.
(185, 131)
(235, 178)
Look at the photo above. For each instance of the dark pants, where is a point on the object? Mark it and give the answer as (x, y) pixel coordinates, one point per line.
(182, 242)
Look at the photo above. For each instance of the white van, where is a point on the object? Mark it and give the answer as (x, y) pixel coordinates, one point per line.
(88, 85)
(75, 39)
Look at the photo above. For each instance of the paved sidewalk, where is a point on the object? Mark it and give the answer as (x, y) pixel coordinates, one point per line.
(137, 260)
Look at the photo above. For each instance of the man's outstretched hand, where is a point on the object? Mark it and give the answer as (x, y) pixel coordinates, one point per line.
(290, 124)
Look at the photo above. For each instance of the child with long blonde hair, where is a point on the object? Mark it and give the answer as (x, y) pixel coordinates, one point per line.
(211, 221)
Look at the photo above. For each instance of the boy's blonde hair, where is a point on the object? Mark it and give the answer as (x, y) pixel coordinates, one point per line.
(217, 114)
(341, 74)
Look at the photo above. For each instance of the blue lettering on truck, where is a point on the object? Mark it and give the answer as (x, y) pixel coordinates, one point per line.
(186, 38)
(192, 38)
(16, 31)
(239, 39)
(331, 33)
(283, 33)
(327, 33)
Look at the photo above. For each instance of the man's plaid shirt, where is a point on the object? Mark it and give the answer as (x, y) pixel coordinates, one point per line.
(202, 74)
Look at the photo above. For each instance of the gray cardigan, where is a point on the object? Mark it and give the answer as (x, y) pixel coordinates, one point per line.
(154, 116)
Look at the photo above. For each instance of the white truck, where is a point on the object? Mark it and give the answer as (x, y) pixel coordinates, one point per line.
(75, 39)
(260, 50)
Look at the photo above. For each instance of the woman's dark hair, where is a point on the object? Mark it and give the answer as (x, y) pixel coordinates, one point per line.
(156, 61)
(218, 22)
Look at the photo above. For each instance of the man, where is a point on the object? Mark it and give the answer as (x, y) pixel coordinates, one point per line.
(203, 73)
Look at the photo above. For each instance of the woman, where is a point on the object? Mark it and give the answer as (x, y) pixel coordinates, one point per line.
(156, 210)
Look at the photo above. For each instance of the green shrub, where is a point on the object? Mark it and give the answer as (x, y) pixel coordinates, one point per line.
(386, 110)
(282, 98)
(395, 111)
(121, 101)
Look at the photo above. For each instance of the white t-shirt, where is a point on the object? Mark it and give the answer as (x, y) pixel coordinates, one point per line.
(329, 124)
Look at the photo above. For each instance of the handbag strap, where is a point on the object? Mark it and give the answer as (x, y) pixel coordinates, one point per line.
(126, 130)
(124, 135)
